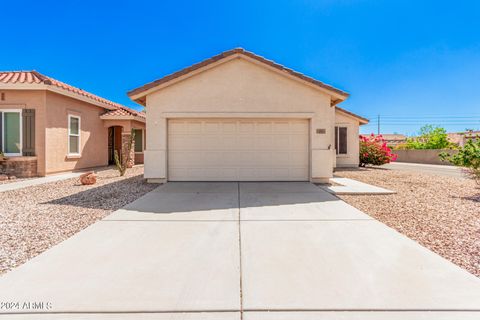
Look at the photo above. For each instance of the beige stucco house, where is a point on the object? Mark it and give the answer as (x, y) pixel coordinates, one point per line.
(47, 126)
(240, 117)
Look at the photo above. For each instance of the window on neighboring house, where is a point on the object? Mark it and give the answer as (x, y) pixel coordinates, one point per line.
(138, 140)
(341, 140)
(11, 132)
(73, 135)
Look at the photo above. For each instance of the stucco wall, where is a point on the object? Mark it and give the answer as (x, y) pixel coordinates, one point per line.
(430, 156)
(30, 99)
(351, 159)
(239, 88)
(93, 138)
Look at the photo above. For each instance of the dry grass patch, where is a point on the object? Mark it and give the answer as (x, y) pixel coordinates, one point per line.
(441, 213)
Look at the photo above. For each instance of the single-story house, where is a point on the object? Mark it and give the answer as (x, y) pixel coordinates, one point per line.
(47, 126)
(460, 138)
(394, 139)
(240, 117)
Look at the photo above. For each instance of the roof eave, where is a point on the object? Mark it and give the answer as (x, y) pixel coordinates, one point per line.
(360, 119)
(112, 117)
(41, 86)
(139, 93)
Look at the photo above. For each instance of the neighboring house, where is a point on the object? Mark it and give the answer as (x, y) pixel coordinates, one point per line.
(393, 139)
(240, 117)
(47, 126)
(460, 138)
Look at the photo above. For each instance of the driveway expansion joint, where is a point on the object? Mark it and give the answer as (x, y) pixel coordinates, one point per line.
(240, 250)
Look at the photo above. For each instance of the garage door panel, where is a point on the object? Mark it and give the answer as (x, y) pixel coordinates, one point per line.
(263, 127)
(185, 142)
(297, 160)
(263, 142)
(299, 127)
(212, 127)
(282, 127)
(245, 142)
(215, 159)
(178, 127)
(229, 127)
(212, 142)
(245, 126)
(238, 150)
(195, 127)
(298, 144)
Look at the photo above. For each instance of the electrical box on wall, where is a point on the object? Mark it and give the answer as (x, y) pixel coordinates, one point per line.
(321, 131)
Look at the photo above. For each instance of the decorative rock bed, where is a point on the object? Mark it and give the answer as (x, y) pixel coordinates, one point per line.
(35, 218)
(441, 213)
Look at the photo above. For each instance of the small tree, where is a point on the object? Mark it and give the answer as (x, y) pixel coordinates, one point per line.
(122, 164)
(467, 157)
(374, 151)
(430, 137)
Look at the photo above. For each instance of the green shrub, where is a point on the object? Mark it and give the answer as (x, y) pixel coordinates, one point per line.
(467, 157)
(430, 137)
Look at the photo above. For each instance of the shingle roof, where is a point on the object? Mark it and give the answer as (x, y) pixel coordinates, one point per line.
(34, 77)
(227, 54)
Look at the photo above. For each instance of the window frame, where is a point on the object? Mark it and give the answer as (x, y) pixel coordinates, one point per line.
(79, 135)
(337, 140)
(143, 141)
(19, 111)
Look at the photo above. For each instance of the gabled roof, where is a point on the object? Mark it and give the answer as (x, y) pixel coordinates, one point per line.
(124, 113)
(139, 93)
(362, 120)
(36, 80)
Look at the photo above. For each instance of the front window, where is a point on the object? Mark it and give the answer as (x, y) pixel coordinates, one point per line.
(341, 140)
(138, 140)
(11, 132)
(73, 135)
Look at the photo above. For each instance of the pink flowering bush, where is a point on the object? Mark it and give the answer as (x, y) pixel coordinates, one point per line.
(374, 151)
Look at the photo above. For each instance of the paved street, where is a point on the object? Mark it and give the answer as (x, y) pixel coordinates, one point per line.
(451, 171)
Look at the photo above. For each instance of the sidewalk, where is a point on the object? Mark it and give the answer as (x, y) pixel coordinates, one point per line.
(441, 170)
(47, 179)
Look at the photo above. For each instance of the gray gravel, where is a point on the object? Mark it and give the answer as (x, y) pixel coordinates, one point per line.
(441, 213)
(35, 218)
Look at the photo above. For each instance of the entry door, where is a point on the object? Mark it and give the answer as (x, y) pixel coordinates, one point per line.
(238, 150)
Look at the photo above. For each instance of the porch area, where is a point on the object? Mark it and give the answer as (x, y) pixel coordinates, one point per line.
(122, 133)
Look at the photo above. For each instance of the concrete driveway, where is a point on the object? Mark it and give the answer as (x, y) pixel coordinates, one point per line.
(239, 250)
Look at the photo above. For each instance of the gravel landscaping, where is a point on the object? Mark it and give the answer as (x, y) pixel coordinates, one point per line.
(441, 213)
(35, 218)
(13, 180)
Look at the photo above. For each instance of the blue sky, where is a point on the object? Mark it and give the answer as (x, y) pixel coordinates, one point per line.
(412, 62)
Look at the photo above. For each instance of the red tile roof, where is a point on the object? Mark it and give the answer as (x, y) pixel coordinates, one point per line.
(34, 77)
(227, 54)
(124, 112)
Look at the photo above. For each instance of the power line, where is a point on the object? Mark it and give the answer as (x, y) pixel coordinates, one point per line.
(419, 124)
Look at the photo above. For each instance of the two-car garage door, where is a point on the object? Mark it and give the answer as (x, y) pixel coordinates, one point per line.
(238, 150)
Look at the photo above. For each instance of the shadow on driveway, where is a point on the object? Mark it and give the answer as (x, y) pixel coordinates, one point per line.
(111, 196)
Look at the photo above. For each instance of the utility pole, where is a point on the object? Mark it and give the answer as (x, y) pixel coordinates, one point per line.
(378, 125)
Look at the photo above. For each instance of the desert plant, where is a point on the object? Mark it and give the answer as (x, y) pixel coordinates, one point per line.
(430, 137)
(2, 156)
(374, 151)
(122, 162)
(468, 157)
